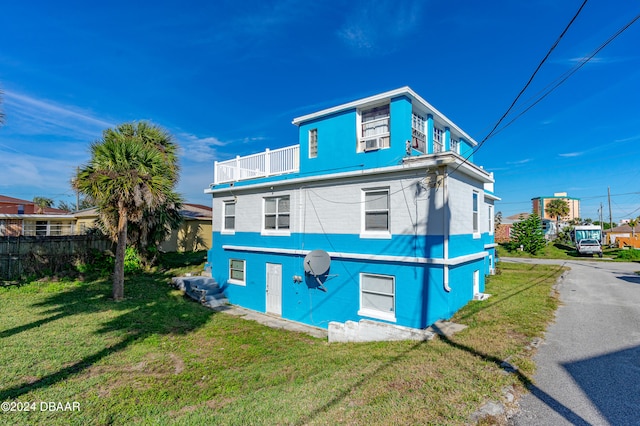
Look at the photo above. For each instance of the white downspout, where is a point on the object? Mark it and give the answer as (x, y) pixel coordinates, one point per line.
(445, 232)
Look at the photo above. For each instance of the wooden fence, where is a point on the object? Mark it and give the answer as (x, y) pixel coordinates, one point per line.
(45, 256)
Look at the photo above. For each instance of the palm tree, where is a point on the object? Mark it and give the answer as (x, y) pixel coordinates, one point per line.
(632, 224)
(156, 223)
(42, 203)
(497, 220)
(130, 172)
(557, 208)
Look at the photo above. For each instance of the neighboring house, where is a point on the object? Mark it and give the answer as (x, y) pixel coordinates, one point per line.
(21, 217)
(503, 231)
(623, 233)
(194, 233)
(539, 205)
(381, 186)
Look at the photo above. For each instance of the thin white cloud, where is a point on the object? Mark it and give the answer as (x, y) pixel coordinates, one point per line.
(599, 60)
(525, 161)
(197, 149)
(242, 36)
(629, 139)
(193, 182)
(270, 18)
(571, 154)
(37, 116)
(49, 174)
(378, 26)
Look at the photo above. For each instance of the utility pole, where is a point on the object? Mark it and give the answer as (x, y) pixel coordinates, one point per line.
(77, 192)
(600, 210)
(609, 197)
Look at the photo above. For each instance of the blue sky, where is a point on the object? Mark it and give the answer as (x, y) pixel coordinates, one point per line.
(226, 78)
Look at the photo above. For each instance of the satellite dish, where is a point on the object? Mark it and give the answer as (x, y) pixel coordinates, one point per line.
(317, 263)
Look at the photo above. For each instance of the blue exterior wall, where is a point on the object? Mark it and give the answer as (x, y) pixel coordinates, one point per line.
(420, 296)
(416, 232)
(337, 141)
(401, 110)
(466, 149)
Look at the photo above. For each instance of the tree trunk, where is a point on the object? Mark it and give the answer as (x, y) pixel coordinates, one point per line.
(118, 272)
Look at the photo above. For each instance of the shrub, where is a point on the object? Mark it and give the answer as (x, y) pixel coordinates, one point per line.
(631, 254)
(97, 262)
(528, 234)
(132, 261)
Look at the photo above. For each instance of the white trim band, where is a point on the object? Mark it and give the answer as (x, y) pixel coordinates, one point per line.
(363, 256)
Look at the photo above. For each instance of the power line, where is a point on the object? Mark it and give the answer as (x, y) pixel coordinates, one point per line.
(555, 44)
(559, 81)
(593, 197)
(564, 77)
(553, 47)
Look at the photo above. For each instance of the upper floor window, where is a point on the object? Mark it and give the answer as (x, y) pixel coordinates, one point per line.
(418, 139)
(374, 128)
(313, 143)
(454, 145)
(475, 213)
(276, 213)
(376, 212)
(229, 217)
(438, 139)
(491, 220)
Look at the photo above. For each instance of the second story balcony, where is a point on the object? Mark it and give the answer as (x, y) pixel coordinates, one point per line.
(264, 164)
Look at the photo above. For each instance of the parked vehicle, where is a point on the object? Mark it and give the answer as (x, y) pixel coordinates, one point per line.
(587, 239)
(582, 232)
(589, 246)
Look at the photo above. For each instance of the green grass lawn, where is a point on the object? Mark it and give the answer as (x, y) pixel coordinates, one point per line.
(160, 358)
(563, 251)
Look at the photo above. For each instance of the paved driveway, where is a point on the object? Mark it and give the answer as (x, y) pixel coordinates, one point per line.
(588, 368)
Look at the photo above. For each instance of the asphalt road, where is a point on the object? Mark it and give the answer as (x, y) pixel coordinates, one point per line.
(588, 367)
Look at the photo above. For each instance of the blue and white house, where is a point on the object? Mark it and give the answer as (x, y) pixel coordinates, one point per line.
(382, 186)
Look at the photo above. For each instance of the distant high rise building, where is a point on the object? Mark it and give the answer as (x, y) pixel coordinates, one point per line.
(539, 205)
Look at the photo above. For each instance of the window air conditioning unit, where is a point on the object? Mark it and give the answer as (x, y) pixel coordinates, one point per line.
(371, 144)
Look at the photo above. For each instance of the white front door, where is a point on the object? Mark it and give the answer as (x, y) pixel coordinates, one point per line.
(274, 289)
(476, 282)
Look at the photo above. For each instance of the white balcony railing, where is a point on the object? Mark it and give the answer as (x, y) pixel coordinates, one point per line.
(264, 164)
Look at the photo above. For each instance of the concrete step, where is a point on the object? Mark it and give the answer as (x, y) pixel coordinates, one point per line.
(205, 290)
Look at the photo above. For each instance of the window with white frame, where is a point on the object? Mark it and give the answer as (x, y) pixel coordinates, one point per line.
(490, 219)
(237, 271)
(276, 213)
(475, 213)
(229, 216)
(438, 139)
(42, 227)
(56, 228)
(378, 296)
(313, 143)
(418, 139)
(454, 145)
(374, 128)
(376, 211)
